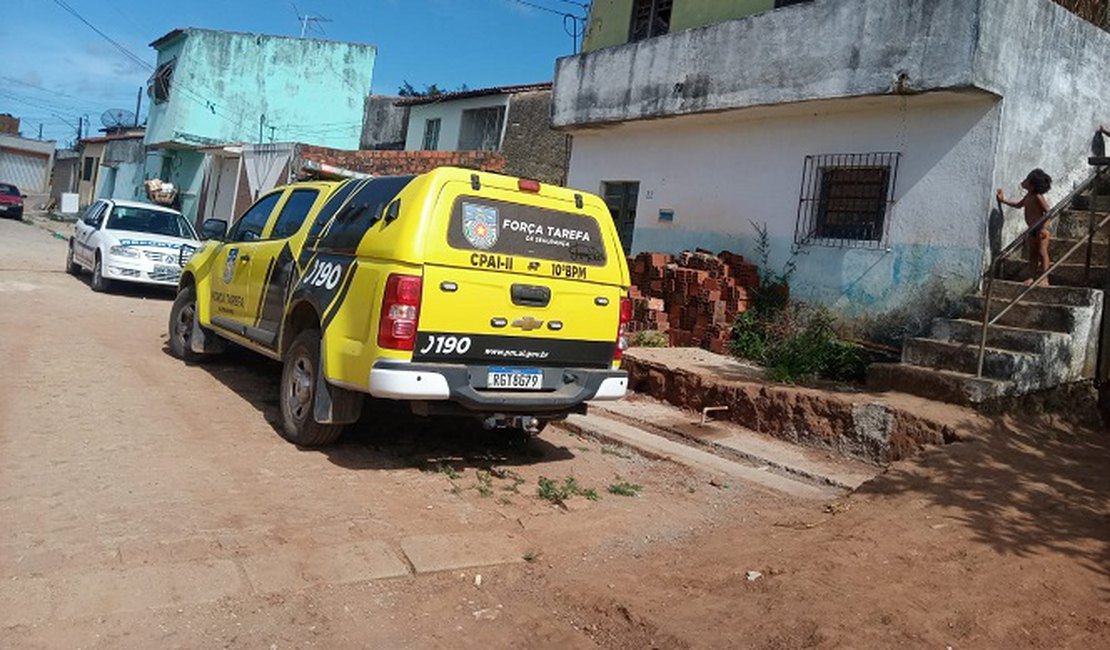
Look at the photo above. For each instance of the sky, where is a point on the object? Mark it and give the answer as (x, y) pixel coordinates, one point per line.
(54, 68)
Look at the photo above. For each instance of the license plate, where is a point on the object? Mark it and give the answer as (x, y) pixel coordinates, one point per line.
(515, 378)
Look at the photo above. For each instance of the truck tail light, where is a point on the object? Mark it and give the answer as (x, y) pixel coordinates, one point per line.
(400, 312)
(622, 335)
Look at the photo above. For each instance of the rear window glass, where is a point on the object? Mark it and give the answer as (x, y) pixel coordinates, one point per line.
(362, 211)
(9, 190)
(328, 211)
(514, 229)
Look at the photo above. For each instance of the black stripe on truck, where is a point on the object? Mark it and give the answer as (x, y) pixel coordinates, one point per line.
(514, 351)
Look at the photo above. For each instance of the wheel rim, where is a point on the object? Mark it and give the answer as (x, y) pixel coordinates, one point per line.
(183, 326)
(69, 257)
(298, 391)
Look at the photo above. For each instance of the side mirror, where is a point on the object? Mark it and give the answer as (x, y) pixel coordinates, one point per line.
(22, 196)
(184, 254)
(213, 229)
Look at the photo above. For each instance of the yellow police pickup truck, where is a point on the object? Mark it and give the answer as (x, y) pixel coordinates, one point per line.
(460, 292)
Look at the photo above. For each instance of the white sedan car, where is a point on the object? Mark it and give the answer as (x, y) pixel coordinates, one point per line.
(131, 242)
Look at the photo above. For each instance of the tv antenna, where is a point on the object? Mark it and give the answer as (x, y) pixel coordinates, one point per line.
(309, 21)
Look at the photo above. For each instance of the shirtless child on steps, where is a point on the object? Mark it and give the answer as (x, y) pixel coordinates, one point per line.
(1036, 184)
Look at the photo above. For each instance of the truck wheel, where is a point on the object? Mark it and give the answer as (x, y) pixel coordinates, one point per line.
(298, 394)
(71, 266)
(99, 282)
(181, 324)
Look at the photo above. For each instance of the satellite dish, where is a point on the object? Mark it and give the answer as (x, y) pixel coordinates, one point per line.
(117, 117)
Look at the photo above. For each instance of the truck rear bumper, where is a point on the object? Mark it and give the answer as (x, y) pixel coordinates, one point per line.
(564, 388)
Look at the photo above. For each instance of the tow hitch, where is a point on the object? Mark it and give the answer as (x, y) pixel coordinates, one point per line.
(527, 423)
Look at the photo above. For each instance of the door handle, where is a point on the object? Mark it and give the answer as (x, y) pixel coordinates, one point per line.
(244, 258)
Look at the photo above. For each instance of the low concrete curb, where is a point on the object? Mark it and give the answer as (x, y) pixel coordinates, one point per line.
(653, 446)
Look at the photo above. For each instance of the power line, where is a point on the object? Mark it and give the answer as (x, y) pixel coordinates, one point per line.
(126, 52)
(37, 87)
(188, 93)
(574, 25)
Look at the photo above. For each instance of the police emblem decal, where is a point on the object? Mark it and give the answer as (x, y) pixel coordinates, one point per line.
(229, 266)
(479, 224)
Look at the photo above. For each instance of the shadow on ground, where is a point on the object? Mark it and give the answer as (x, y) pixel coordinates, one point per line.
(388, 435)
(130, 289)
(1041, 485)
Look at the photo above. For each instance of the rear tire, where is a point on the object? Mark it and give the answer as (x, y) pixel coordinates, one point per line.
(298, 394)
(99, 282)
(71, 266)
(180, 329)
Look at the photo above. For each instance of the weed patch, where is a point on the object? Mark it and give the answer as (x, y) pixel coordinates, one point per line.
(558, 493)
(625, 489)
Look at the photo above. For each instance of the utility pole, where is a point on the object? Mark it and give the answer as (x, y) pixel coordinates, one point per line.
(138, 105)
(79, 118)
(40, 130)
(261, 126)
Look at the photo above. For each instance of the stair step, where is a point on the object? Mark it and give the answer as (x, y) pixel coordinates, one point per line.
(1067, 274)
(964, 357)
(1099, 202)
(1005, 338)
(1053, 295)
(1100, 252)
(1026, 315)
(930, 383)
(1074, 224)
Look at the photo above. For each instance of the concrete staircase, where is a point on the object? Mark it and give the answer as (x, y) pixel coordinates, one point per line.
(1049, 338)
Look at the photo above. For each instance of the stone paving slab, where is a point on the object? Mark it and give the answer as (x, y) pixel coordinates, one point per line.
(445, 552)
(143, 588)
(294, 569)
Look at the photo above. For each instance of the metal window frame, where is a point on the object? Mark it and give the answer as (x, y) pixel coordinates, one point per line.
(487, 123)
(433, 145)
(811, 227)
(646, 21)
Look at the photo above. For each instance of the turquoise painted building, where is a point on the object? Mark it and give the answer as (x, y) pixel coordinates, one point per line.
(213, 89)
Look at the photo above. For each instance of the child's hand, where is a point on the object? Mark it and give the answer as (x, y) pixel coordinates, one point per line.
(998, 195)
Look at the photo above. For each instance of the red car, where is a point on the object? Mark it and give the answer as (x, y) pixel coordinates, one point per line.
(11, 201)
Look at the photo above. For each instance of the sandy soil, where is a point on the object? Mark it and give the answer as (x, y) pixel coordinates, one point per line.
(147, 503)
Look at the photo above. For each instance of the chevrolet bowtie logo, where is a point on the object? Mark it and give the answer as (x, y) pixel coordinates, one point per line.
(528, 323)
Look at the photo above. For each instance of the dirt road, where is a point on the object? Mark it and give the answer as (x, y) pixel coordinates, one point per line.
(145, 502)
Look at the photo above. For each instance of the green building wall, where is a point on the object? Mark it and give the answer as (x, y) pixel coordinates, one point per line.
(229, 87)
(610, 19)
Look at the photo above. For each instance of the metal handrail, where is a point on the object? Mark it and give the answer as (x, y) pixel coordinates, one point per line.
(992, 269)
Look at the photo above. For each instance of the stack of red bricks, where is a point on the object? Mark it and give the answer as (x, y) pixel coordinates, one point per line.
(694, 298)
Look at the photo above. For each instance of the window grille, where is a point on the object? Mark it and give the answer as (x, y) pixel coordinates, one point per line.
(158, 87)
(431, 135)
(649, 18)
(845, 199)
(481, 129)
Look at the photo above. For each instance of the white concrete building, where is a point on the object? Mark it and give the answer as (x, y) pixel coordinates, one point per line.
(868, 135)
(512, 120)
(26, 163)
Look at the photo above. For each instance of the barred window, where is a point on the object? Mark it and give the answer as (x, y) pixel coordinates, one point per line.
(481, 129)
(158, 86)
(431, 135)
(649, 18)
(845, 199)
